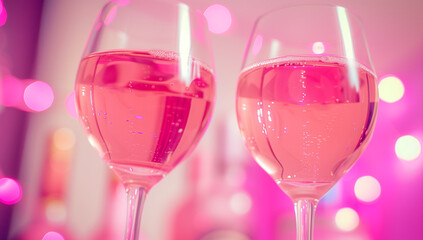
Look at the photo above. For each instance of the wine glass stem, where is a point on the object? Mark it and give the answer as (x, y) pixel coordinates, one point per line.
(304, 212)
(135, 201)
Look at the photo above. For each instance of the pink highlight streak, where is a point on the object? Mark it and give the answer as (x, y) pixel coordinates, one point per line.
(70, 105)
(111, 15)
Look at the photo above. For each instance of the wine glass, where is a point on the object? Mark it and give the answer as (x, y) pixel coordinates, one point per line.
(145, 92)
(307, 101)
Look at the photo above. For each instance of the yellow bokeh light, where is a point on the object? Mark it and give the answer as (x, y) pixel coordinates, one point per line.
(56, 211)
(347, 219)
(391, 89)
(367, 189)
(64, 139)
(408, 148)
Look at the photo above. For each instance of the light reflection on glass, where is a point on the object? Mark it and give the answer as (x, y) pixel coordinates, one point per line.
(318, 48)
(184, 44)
(348, 47)
(275, 46)
(111, 15)
(258, 43)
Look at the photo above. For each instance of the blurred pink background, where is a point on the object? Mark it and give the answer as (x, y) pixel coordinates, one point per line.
(219, 192)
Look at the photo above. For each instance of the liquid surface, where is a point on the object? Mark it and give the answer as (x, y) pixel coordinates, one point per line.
(306, 120)
(139, 114)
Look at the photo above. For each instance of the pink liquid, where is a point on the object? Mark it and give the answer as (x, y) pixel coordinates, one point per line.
(139, 114)
(306, 120)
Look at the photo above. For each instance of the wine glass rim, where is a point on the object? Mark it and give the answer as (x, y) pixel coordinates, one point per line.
(105, 25)
(169, 2)
(335, 7)
(325, 5)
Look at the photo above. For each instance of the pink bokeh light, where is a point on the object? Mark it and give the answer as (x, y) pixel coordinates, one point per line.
(10, 191)
(38, 96)
(53, 236)
(70, 105)
(11, 91)
(219, 18)
(3, 14)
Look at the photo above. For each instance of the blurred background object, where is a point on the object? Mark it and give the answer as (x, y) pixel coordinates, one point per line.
(48, 189)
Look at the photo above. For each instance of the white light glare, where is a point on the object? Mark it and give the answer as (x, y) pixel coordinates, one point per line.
(318, 48)
(367, 189)
(408, 148)
(348, 46)
(391, 89)
(184, 44)
(347, 219)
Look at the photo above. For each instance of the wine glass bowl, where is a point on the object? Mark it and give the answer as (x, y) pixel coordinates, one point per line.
(307, 101)
(145, 91)
(138, 114)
